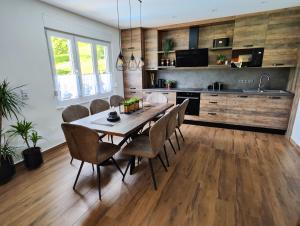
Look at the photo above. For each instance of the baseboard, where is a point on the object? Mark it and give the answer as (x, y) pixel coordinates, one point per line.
(20, 164)
(236, 127)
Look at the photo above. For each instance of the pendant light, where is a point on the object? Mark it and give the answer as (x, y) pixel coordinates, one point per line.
(141, 62)
(120, 63)
(132, 64)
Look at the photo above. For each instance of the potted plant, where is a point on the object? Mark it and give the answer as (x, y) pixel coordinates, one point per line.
(10, 105)
(168, 45)
(170, 84)
(221, 59)
(32, 155)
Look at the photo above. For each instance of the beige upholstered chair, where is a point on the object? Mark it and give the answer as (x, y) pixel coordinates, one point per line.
(157, 98)
(181, 113)
(148, 146)
(171, 128)
(98, 105)
(84, 145)
(116, 100)
(74, 112)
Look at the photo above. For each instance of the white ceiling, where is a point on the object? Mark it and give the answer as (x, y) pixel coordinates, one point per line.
(165, 12)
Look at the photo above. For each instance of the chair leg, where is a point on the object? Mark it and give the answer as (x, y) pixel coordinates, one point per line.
(172, 145)
(112, 139)
(71, 160)
(118, 167)
(177, 140)
(166, 155)
(152, 174)
(99, 181)
(93, 168)
(127, 167)
(162, 162)
(79, 171)
(181, 134)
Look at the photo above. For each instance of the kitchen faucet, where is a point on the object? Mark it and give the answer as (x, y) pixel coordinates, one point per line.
(264, 75)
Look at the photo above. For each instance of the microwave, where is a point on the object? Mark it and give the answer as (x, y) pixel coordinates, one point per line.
(192, 58)
(247, 57)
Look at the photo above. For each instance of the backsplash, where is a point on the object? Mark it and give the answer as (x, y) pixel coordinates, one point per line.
(232, 78)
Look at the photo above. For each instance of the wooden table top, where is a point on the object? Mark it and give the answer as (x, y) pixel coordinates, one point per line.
(128, 123)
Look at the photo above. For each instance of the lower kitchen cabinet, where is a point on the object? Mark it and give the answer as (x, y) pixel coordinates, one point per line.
(247, 110)
(171, 96)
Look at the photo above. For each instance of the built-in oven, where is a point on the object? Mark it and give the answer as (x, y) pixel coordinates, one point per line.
(193, 107)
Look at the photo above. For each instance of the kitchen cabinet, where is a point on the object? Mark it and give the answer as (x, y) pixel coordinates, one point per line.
(247, 110)
(282, 38)
(250, 31)
(171, 96)
(151, 48)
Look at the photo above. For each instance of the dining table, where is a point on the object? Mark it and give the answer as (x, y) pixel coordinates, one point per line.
(127, 126)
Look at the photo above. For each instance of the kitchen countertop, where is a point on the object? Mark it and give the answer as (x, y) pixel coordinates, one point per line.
(225, 91)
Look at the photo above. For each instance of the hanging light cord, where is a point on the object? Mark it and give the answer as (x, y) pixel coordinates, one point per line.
(119, 23)
(130, 25)
(140, 12)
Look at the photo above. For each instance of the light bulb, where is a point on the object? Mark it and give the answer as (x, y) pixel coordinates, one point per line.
(121, 63)
(132, 65)
(141, 63)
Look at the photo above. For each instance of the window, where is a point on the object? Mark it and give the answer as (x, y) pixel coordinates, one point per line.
(80, 66)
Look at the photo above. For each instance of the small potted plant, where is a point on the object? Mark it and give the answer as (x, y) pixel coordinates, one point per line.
(168, 45)
(221, 59)
(126, 107)
(7, 167)
(32, 155)
(10, 106)
(170, 84)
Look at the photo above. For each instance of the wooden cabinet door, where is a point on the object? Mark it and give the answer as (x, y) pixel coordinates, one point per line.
(282, 38)
(250, 31)
(151, 48)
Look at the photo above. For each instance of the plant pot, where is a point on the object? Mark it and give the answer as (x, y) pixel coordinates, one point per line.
(169, 86)
(7, 169)
(32, 157)
(136, 106)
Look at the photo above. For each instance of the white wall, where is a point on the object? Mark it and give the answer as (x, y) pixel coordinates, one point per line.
(24, 58)
(296, 129)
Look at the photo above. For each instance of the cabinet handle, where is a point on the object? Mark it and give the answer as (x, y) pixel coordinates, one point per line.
(214, 95)
(148, 92)
(275, 98)
(213, 102)
(243, 96)
(132, 88)
(165, 93)
(132, 92)
(212, 113)
(250, 45)
(276, 65)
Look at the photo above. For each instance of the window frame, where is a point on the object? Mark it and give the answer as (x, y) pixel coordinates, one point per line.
(76, 66)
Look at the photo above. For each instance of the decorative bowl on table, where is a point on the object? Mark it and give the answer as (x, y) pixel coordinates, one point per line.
(113, 116)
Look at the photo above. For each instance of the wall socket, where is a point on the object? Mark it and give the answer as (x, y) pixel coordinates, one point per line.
(246, 81)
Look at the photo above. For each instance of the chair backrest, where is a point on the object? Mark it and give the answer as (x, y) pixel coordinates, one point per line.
(181, 112)
(172, 122)
(74, 112)
(157, 98)
(116, 100)
(157, 134)
(98, 105)
(83, 142)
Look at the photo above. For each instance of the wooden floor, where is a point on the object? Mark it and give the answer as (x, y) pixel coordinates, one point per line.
(220, 177)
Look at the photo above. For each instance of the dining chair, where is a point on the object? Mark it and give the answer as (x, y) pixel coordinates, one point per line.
(74, 112)
(98, 105)
(84, 145)
(181, 113)
(171, 129)
(148, 146)
(116, 100)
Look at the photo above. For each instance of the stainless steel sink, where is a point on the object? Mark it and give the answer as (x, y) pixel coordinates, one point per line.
(263, 91)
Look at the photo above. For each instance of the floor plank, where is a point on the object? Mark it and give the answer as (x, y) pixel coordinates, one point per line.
(219, 177)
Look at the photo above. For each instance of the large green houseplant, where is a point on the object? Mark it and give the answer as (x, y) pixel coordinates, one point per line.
(10, 106)
(32, 155)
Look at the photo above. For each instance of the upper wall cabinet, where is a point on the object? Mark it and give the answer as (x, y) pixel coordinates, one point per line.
(282, 38)
(250, 31)
(151, 48)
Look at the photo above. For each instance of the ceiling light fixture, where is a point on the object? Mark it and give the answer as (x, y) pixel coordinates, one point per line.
(132, 64)
(120, 63)
(141, 62)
